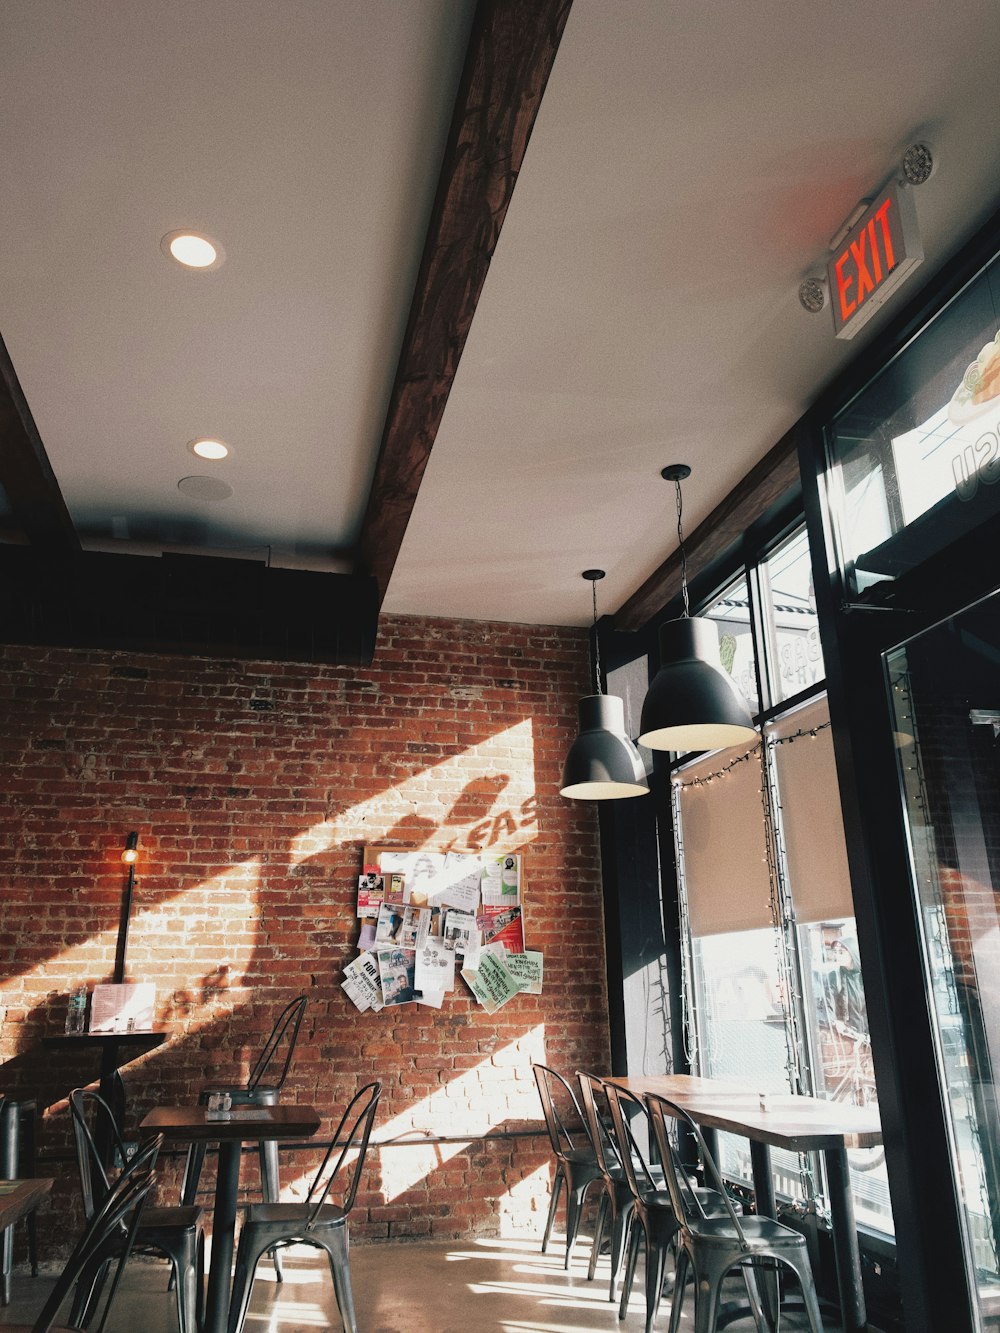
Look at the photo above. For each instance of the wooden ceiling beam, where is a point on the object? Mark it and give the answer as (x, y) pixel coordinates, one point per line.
(764, 486)
(37, 503)
(510, 55)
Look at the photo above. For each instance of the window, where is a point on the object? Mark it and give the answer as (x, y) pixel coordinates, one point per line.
(773, 982)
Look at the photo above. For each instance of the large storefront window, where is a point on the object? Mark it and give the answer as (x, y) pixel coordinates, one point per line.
(944, 698)
(774, 987)
(917, 454)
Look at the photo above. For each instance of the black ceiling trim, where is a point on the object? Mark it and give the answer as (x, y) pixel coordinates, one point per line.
(26, 475)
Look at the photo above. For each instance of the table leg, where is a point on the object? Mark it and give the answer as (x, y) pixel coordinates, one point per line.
(220, 1275)
(767, 1206)
(847, 1254)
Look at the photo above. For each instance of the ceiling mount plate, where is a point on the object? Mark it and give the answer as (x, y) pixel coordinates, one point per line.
(676, 472)
(593, 575)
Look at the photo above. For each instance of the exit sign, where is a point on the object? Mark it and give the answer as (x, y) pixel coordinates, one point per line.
(879, 252)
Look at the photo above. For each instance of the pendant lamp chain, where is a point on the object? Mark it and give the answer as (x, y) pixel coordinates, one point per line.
(597, 638)
(680, 547)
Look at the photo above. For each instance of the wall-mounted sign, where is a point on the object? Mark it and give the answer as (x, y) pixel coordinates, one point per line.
(878, 253)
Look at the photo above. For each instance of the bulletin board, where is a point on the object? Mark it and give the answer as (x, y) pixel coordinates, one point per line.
(428, 920)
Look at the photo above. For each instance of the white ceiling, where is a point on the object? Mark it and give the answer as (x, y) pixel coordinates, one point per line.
(687, 168)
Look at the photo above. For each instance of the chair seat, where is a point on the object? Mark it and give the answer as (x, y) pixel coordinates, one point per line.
(760, 1232)
(171, 1218)
(580, 1156)
(289, 1214)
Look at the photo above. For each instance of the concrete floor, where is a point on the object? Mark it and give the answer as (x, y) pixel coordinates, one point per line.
(486, 1286)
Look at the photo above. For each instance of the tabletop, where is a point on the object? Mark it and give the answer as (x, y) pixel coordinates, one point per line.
(192, 1123)
(19, 1197)
(798, 1123)
(146, 1037)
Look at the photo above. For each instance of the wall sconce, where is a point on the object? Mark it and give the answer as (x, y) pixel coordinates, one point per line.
(130, 855)
(603, 764)
(692, 703)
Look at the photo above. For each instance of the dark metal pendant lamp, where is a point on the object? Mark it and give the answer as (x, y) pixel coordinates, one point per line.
(603, 764)
(692, 703)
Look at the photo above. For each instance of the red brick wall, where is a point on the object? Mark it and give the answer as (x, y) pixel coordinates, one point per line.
(254, 787)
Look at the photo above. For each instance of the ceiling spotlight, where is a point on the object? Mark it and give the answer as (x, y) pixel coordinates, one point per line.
(918, 164)
(813, 295)
(209, 448)
(191, 250)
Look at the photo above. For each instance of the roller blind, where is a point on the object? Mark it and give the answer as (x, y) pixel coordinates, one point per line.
(818, 876)
(725, 858)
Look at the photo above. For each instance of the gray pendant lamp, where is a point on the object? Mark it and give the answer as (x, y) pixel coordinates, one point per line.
(692, 703)
(603, 763)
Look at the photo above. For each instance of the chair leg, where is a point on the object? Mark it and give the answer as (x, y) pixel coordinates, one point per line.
(602, 1221)
(619, 1231)
(271, 1190)
(708, 1289)
(248, 1256)
(557, 1182)
(633, 1259)
(656, 1258)
(680, 1281)
(575, 1197)
(339, 1253)
(803, 1271)
(192, 1173)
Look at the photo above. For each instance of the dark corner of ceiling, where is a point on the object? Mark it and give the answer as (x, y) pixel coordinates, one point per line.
(54, 593)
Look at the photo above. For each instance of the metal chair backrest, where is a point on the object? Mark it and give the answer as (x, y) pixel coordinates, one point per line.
(351, 1136)
(284, 1035)
(597, 1118)
(120, 1212)
(686, 1203)
(550, 1087)
(630, 1153)
(94, 1182)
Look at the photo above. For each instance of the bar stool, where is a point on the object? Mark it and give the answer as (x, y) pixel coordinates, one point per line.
(17, 1159)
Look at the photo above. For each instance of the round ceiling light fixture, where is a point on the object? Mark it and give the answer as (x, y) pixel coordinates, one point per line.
(193, 250)
(211, 449)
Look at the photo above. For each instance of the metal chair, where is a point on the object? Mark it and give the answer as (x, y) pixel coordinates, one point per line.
(654, 1214)
(576, 1161)
(317, 1221)
(617, 1200)
(262, 1088)
(178, 1233)
(712, 1246)
(113, 1227)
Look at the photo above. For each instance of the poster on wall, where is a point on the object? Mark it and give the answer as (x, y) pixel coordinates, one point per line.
(424, 916)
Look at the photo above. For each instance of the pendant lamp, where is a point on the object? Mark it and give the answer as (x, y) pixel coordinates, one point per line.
(603, 764)
(692, 703)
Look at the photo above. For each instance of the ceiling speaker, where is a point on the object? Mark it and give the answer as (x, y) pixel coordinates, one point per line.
(813, 295)
(918, 164)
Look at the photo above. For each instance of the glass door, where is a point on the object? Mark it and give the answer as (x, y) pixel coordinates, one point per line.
(944, 687)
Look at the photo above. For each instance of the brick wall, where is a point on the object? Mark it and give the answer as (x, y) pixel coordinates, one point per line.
(254, 787)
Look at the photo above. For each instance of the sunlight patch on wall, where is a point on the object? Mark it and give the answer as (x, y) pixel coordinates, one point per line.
(483, 797)
(500, 1089)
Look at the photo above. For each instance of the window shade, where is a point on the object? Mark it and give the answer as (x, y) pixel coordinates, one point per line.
(725, 858)
(818, 876)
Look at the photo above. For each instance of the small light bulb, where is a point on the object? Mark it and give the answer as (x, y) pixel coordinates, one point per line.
(130, 855)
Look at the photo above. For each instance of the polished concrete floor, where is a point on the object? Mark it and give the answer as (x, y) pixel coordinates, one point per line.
(486, 1286)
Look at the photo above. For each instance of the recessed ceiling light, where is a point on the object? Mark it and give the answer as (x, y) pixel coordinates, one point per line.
(192, 250)
(209, 448)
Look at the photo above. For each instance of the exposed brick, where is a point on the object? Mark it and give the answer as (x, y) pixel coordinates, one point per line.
(254, 787)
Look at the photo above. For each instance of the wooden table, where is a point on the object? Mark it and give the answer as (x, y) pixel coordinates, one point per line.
(800, 1124)
(243, 1124)
(20, 1197)
(116, 1050)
